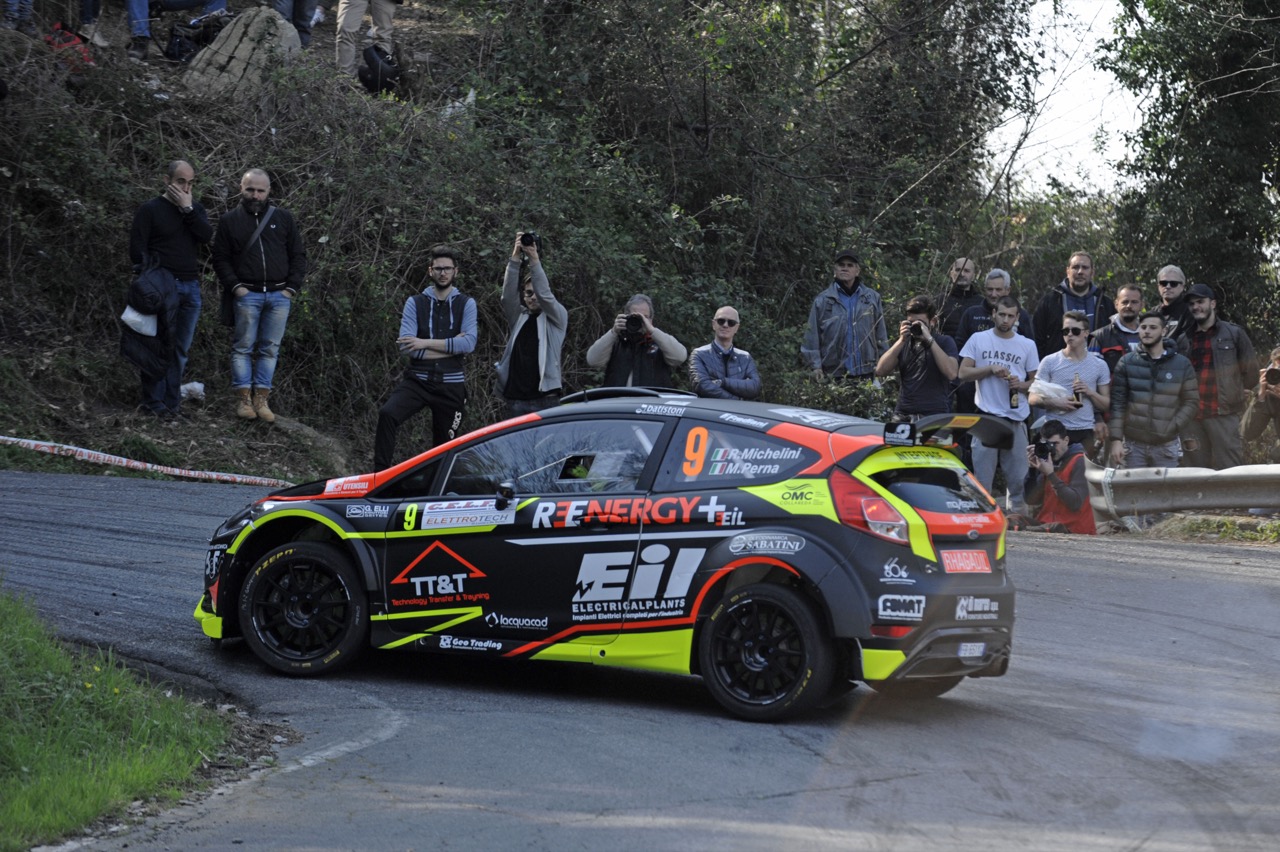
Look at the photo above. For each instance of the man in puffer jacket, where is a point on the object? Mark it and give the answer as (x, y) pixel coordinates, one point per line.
(1154, 395)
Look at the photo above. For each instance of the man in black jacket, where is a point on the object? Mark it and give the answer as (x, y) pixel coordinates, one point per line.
(1154, 395)
(260, 262)
(167, 232)
(634, 351)
(1076, 292)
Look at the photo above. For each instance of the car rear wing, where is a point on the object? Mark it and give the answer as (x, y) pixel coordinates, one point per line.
(939, 430)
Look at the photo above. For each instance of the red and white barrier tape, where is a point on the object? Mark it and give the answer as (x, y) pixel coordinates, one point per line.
(96, 457)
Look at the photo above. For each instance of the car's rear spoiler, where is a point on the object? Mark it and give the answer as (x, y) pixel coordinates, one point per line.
(940, 430)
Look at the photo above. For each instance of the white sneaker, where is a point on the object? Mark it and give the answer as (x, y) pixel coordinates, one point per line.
(318, 18)
(93, 34)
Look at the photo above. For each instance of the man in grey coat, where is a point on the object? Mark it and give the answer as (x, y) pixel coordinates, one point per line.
(529, 372)
(846, 334)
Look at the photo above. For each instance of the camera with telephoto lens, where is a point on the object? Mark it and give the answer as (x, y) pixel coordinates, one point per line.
(1043, 450)
(1272, 376)
(531, 238)
(917, 330)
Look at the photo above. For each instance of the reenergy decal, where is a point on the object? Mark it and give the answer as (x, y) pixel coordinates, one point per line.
(557, 514)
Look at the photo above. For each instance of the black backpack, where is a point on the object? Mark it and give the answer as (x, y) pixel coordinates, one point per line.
(186, 38)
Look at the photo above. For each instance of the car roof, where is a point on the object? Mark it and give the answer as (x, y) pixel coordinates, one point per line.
(671, 403)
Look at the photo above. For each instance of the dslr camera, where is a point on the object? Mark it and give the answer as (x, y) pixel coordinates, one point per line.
(531, 238)
(1272, 376)
(917, 330)
(634, 328)
(1043, 450)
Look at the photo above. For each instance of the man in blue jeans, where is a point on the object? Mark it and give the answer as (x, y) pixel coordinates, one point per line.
(167, 231)
(140, 14)
(260, 262)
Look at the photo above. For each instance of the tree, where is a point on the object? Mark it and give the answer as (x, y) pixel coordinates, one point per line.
(1206, 152)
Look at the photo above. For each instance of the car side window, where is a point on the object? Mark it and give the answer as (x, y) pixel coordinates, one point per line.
(716, 455)
(557, 458)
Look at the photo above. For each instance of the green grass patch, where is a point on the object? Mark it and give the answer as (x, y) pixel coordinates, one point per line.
(82, 737)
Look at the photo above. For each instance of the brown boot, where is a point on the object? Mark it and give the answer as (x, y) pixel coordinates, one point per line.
(265, 414)
(244, 405)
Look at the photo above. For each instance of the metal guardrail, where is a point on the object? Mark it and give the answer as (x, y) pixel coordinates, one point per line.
(1115, 494)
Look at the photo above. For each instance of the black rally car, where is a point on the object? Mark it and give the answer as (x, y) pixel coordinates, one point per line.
(779, 553)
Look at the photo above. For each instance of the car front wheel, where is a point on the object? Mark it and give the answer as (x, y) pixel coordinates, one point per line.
(303, 609)
(764, 654)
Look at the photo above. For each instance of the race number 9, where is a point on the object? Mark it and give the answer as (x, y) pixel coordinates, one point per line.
(695, 451)
(410, 515)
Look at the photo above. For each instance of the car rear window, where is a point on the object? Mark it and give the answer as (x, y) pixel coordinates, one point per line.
(936, 489)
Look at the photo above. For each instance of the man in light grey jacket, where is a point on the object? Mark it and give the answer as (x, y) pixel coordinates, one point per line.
(529, 372)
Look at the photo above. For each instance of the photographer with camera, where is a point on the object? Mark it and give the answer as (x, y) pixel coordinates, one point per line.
(634, 352)
(1057, 484)
(926, 360)
(529, 372)
(1264, 407)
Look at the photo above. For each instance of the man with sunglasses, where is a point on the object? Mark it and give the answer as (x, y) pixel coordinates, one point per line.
(1174, 306)
(437, 330)
(719, 370)
(1057, 484)
(1085, 378)
(529, 372)
(926, 360)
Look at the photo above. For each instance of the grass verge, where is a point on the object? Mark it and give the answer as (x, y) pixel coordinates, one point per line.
(81, 737)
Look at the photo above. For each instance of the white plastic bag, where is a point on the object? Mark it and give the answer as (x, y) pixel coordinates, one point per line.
(1048, 390)
(144, 324)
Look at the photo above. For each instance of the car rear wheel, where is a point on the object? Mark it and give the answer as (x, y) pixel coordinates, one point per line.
(303, 609)
(764, 654)
(928, 688)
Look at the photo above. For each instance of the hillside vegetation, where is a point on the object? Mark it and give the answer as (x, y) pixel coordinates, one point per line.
(702, 154)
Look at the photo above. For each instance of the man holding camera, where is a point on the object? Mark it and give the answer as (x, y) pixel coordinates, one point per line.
(846, 334)
(926, 361)
(1226, 368)
(529, 372)
(1153, 397)
(437, 330)
(1057, 483)
(634, 352)
(719, 370)
(1264, 407)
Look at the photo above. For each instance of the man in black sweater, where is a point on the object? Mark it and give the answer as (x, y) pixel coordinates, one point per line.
(166, 232)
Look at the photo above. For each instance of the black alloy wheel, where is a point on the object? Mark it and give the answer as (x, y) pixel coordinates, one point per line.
(303, 609)
(764, 654)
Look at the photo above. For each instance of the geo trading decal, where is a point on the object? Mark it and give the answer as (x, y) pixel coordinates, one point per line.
(608, 587)
(902, 607)
(557, 514)
(436, 579)
(441, 514)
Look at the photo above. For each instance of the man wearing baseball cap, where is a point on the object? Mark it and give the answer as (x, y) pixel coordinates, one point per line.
(1226, 371)
(846, 334)
(1173, 301)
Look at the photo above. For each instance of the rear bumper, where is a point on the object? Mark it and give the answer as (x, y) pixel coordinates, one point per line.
(945, 652)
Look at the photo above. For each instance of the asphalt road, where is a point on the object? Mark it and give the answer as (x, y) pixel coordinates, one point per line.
(1140, 712)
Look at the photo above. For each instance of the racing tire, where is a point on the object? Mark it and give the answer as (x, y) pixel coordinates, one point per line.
(303, 609)
(927, 688)
(764, 654)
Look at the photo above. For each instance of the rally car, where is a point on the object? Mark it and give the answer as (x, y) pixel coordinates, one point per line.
(782, 554)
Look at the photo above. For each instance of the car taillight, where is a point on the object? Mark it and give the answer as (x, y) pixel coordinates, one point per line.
(859, 506)
(891, 631)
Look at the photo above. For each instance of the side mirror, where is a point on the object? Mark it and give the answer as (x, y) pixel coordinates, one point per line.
(506, 493)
